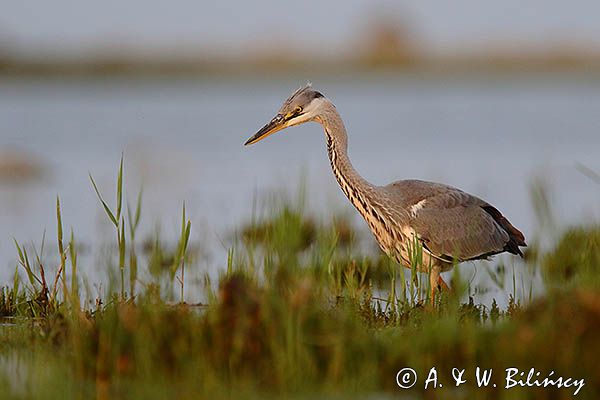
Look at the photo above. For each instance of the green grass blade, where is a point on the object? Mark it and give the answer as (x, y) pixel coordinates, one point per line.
(16, 283)
(27, 266)
(19, 251)
(134, 219)
(24, 261)
(106, 208)
(73, 255)
(138, 209)
(59, 228)
(122, 245)
(120, 190)
(42, 247)
(188, 230)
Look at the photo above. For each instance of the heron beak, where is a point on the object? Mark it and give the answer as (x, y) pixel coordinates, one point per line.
(275, 125)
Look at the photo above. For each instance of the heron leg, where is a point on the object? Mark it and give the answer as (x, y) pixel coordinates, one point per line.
(434, 281)
(442, 285)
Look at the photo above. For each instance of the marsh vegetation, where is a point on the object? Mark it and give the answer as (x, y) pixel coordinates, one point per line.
(298, 310)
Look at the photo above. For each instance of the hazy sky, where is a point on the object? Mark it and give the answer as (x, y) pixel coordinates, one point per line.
(70, 25)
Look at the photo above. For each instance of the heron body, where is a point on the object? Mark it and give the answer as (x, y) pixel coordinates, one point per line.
(451, 225)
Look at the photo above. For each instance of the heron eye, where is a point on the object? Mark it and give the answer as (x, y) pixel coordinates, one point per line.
(297, 110)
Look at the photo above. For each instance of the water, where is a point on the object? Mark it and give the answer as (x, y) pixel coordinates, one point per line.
(182, 140)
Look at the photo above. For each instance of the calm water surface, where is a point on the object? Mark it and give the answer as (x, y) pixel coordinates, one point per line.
(182, 141)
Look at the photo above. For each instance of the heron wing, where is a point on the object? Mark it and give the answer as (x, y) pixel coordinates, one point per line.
(453, 224)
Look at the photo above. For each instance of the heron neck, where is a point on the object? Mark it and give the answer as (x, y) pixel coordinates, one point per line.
(354, 186)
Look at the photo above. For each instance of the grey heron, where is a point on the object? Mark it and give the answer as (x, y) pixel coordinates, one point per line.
(452, 226)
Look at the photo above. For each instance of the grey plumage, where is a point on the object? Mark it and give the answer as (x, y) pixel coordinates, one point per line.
(452, 226)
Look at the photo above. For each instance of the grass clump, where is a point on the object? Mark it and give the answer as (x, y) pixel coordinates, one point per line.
(575, 258)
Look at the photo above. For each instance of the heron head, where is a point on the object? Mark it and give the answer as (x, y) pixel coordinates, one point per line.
(302, 106)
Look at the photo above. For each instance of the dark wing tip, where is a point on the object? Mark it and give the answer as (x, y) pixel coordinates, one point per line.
(516, 237)
(513, 248)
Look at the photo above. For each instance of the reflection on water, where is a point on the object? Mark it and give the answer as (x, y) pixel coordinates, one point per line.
(182, 141)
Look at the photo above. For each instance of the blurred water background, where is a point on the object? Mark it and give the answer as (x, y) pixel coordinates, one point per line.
(426, 92)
